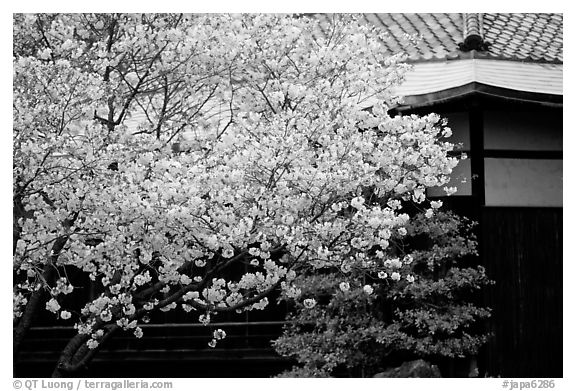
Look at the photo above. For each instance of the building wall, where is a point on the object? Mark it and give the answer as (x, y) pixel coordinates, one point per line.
(512, 185)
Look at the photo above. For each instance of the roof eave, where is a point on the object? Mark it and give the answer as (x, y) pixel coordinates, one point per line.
(477, 89)
(474, 54)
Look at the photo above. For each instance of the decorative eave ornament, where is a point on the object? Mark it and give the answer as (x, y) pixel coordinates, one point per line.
(473, 34)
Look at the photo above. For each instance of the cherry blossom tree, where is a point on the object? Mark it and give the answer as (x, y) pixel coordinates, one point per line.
(155, 153)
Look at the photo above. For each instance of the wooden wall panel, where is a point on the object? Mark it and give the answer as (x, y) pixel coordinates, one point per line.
(522, 252)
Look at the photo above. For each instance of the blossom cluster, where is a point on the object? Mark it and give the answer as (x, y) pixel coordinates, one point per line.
(204, 148)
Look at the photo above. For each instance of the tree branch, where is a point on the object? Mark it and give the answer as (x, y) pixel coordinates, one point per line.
(22, 327)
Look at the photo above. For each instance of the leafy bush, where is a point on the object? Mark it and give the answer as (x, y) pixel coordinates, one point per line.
(355, 322)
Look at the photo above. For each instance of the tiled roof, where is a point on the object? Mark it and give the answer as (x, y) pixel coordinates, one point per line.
(439, 34)
(536, 37)
(525, 37)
